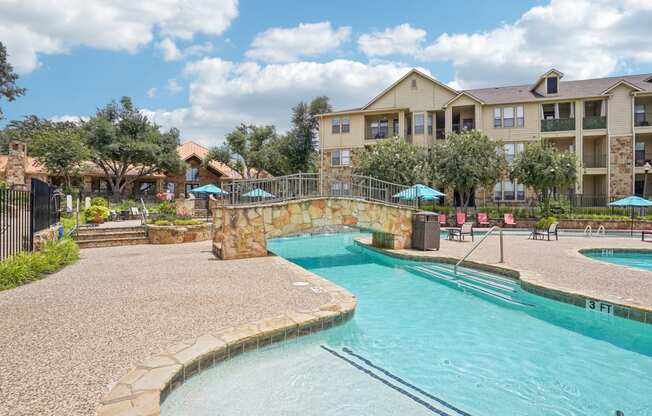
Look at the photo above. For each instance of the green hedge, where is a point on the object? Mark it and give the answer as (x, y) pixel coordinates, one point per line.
(27, 267)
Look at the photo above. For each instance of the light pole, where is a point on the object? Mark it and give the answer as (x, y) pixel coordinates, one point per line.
(646, 168)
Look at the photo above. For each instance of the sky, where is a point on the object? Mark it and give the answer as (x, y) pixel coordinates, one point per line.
(205, 66)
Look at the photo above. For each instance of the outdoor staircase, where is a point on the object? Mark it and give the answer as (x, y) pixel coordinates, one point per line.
(110, 237)
(495, 287)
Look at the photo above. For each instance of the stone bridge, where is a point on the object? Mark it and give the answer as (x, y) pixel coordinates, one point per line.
(242, 231)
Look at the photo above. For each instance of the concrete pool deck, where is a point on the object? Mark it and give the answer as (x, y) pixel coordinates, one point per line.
(67, 339)
(559, 266)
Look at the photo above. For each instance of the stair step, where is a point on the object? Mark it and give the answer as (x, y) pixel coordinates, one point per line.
(480, 279)
(112, 242)
(491, 293)
(433, 273)
(107, 230)
(109, 236)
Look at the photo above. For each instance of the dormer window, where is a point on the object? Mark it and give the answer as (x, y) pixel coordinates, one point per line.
(552, 85)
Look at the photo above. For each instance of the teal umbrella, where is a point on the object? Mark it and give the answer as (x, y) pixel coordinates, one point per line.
(419, 191)
(208, 189)
(631, 202)
(258, 193)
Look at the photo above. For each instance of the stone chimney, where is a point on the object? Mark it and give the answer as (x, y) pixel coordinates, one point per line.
(16, 163)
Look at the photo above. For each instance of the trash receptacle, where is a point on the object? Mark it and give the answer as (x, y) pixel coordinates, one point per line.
(425, 231)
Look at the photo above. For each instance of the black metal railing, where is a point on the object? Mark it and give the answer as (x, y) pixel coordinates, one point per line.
(558, 124)
(641, 122)
(595, 161)
(594, 122)
(23, 213)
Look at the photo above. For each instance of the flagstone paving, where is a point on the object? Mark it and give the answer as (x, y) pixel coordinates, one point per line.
(67, 339)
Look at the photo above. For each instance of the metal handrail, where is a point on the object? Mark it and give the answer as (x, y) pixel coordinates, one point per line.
(588, 231)
(143, 214)
(604, 231)
(476, 245)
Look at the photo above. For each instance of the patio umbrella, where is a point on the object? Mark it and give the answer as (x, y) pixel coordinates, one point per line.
(631, 202)
(419, 192)
(209, 189)
(258, 193)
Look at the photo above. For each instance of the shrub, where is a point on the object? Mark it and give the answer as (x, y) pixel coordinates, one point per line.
(187, 222)
(126, 204)
(545, 222)
(162, 222)
(92, 213)
(26, 267)
(98, 201)
(167, 208)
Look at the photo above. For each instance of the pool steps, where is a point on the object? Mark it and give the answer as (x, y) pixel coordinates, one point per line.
(495, 287)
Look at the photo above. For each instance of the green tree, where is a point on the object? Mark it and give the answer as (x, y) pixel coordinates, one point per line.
(394, 160)
(22, 130)
(246, 150)
(8, 88)
(126, 145)
(303, 138)
(60, 147)
(545, 169)
(467, 161)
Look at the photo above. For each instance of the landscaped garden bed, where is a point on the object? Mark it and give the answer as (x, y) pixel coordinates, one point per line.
(175, 232)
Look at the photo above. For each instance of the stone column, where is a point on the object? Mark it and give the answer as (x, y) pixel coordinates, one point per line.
(16, 161)
(620, 166)
(448, 120)
(239, 233)
(579, 144)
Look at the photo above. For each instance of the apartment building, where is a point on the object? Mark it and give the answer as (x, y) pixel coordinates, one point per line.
(607, 122)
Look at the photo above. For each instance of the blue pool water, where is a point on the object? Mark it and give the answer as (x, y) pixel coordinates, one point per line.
(421, 346)
(639, 260)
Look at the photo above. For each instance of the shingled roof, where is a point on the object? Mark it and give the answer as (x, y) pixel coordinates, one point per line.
(190, 149)
(567, 89)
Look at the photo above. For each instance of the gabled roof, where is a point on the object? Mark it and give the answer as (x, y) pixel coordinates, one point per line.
(190, 149)
(410, 72)
(466, 94)
(544, 76)
(622, 81)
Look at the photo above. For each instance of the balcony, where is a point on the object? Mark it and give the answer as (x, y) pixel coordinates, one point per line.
(558, 124)
(641, 122)
(594, 122)
(595, 161)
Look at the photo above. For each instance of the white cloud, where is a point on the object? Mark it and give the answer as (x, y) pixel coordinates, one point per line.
(290, 44)
(582, 38)
(224, 94)
(32, 27)
(151, 93)
(173, 86)
(172, 53)
(401, 39)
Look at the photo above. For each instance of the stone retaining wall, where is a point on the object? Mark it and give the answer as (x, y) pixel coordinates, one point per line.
(175, 234)
(242, 232)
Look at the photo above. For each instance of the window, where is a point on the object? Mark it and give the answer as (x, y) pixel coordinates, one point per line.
(509, 191)
(551, 84)
(171, 187)
(395, 127)
(520, 116)
(340, 188)
(498, 121)
(335, 126)
(508, 117)
(430, 124)
(414, 84)
(418, 123)
(383, 127)
(345, 125)
(639, 115)
(192, 174)
(639, 154)
(510, 151)
(341, 157)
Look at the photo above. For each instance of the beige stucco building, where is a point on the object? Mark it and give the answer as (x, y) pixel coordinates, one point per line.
(607, 122)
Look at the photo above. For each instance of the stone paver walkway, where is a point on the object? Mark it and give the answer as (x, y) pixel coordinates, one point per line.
(558, 265)
(66, 338)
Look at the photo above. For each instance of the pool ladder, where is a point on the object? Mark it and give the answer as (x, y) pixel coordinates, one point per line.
(588, 231)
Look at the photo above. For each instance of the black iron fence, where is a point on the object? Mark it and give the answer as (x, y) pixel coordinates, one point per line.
(23, 213)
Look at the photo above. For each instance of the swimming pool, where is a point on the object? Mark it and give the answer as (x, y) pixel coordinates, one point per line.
(419, 345)
(630, 258)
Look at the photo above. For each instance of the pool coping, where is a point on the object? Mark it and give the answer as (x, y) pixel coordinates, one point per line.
(525, 280)
(141, 391)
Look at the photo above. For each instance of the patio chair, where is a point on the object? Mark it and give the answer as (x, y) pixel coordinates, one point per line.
(442, 219)
(483, 219)
(460, 218)
(508, 219)
(552, 230)
(459, 233)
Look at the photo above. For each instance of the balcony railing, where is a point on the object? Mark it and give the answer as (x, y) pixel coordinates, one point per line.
(558, 124)
(641, 122)
(595, 122)
(595, 161)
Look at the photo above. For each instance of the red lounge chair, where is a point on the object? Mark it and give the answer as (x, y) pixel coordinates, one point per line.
(508, 219)
(442, 219)
(483, 219)
(460, 217)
